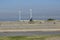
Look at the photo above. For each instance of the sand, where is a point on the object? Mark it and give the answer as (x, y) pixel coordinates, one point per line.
(24, 25)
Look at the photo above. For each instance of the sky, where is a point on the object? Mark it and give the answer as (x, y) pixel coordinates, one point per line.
(10, 8)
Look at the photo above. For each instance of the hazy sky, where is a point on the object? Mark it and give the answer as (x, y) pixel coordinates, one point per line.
(40, 7)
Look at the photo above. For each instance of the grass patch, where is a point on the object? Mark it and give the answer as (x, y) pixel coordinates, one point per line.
(27, 37)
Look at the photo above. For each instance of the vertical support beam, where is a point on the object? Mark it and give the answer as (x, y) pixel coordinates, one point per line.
(19, 15)
(30, 13)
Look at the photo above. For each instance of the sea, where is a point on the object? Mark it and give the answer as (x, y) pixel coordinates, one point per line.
(16, 17)
(28, 18)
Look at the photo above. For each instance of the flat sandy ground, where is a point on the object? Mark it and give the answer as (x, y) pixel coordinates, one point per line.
(26, 25)
(37, 25)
